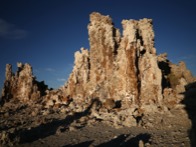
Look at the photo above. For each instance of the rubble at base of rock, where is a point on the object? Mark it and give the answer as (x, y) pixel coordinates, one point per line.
(120, 81)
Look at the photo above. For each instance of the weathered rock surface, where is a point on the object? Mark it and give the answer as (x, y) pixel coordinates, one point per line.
(120, 81)
(120, 68)
(126, 68)
(55, 99)
(22, 85)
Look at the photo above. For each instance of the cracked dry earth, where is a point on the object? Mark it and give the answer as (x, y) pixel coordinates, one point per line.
(52, 128)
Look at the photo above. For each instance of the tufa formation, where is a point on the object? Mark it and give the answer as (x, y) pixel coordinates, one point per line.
(126, 68)
(22, 85)
(120, 80)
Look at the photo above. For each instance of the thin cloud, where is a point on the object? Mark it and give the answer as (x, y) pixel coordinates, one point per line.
(36, 70)
(188, 57)
(50, 69)
(61, 79)
(10, 31)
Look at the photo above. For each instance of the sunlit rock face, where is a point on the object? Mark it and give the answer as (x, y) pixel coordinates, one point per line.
(22, 85)
(136, 59)
(103, 39)
(126, 68)
(80, 75)
(120, 68)
(120, 77)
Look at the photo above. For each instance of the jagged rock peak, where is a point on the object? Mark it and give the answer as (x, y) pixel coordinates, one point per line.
(96, 17)
(120, 68)
(140, 32)
(123, 68)
(22, 85)
(8, 72)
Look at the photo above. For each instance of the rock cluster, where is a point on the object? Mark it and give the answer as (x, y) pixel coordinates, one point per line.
(119, 68)
(126, 68)
(22, 85)
(55, 99)
(120, 81)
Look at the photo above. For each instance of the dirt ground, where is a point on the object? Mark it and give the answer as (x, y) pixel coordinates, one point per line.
(102, 135)
(57, 129)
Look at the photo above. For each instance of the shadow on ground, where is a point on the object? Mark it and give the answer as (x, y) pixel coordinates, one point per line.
(45, 130)
(121, 140)
(190, 103)
(83, 144)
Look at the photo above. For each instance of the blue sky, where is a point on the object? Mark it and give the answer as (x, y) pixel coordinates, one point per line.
(46, 33)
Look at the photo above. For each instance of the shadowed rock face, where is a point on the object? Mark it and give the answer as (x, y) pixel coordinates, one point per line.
(22, 85)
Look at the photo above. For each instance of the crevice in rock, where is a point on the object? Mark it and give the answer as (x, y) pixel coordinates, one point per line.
(139, 37)
(164, 66)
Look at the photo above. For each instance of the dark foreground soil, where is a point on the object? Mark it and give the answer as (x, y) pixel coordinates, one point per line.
(103, 135)
(57, 129)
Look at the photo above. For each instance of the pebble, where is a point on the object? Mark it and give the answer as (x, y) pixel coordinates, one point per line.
(6, 114)
(71, 128)
(141, 143)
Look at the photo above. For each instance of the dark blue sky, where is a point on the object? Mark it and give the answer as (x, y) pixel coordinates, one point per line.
(46, 33)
